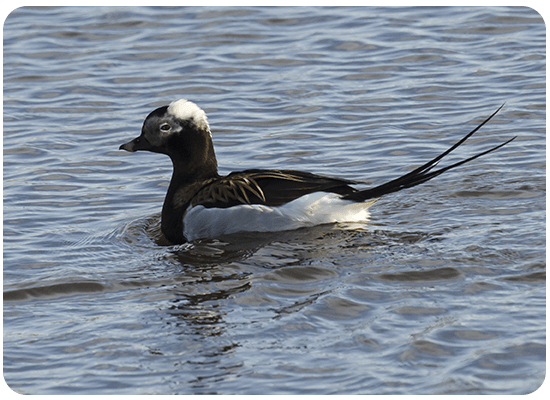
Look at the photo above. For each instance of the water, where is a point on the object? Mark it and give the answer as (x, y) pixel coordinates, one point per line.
(442, 291)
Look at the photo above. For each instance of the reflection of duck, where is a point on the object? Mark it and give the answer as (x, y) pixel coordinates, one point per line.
(202, 204)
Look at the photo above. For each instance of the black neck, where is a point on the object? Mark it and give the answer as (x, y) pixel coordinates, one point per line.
(178, 198)
(172, 217)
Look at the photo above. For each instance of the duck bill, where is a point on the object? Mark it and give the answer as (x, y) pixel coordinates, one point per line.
(136, 144)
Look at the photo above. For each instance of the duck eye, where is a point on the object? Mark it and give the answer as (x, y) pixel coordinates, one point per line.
(165, 127)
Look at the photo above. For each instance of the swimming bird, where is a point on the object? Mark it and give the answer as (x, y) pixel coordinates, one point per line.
(202, 204)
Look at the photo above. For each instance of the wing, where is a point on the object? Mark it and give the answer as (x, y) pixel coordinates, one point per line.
(269, 187)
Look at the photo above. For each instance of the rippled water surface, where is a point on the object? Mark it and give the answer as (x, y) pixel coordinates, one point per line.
(442, 291)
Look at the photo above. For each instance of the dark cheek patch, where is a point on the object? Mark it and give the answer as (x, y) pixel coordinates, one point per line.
(156, 140)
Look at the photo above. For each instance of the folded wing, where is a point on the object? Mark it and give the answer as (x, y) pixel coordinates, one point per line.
(268, 187)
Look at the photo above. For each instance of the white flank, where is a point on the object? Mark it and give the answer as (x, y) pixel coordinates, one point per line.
(310, 210)
(187, 110)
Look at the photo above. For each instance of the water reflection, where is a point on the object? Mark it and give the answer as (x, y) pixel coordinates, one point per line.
(271, 270)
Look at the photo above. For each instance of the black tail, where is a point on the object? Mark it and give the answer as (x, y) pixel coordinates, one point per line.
(421, 174)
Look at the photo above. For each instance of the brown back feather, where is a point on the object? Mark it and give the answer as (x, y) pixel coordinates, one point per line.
(269, 187)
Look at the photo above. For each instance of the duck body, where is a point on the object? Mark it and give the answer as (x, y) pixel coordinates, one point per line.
(202, 204)
(266, 201)
(259, 201)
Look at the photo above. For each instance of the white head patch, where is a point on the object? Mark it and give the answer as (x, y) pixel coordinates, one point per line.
(187, 110)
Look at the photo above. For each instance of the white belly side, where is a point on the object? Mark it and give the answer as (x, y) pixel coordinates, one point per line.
(312, 209)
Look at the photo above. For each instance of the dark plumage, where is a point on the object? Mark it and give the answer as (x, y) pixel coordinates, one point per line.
(181, 131)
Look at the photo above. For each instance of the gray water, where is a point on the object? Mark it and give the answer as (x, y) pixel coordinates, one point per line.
(442, 291)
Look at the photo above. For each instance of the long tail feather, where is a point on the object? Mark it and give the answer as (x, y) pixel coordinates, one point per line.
(422, 173)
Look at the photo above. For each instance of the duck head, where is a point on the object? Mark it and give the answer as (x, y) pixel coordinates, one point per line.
(181, 131)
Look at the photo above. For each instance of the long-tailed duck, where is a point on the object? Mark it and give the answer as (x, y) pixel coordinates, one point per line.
(202, 204)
